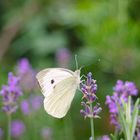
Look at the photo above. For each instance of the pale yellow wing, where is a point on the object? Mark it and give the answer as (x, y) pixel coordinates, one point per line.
(58, 102)
(49, 78)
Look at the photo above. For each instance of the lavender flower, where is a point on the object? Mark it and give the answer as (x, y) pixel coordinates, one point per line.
(121, 92)
(25, 107)
(27, 74)
(17, 128)
(10, 94)
(105, 137)
(90, 113)
(89, 89)
(46, 133)
(63, 57)
(32, 104)
(36, 102)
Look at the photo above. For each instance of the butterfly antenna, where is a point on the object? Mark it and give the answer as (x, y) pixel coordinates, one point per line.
(76, 62)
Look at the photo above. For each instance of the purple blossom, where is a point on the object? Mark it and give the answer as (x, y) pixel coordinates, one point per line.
(46, 133)
(63, 57)
(89, 89)
(10, 94)
(34, 103)
(17, 128)
(105, 137)
(125, 89)
(121, 91)
(25, 107)
(27, 74)
(87, 112)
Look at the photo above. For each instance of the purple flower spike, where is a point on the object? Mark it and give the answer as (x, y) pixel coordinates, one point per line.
(131, 88)
(10, 94)
(87, 111)
(105, 137)
(17, 128)
(126, 89)
(46, 133)
(25, 107)
(63, 56)
(119, 86)
(93, 88)
(89, 89)
(96, 110)
(27, 75)
(34, 103)
(89, 79)
(24, 66)
(122, 91)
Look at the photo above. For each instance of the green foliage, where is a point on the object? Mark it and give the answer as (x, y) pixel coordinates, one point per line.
(128, 118)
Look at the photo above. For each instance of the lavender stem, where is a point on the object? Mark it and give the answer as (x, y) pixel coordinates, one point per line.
(9, 127)
(92, 124)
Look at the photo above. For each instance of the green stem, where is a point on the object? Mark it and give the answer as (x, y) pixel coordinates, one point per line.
(92, 124)
(128, 119)
(9, 127)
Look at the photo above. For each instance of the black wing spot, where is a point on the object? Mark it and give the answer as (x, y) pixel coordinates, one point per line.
(52, 81)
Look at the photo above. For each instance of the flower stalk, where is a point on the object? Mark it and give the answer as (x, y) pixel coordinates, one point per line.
(9, 127)
(89, 89)
(92, 124)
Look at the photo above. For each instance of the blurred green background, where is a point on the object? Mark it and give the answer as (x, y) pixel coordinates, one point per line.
(105, 35)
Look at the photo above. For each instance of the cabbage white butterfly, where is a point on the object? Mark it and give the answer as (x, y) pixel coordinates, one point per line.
(58, 86)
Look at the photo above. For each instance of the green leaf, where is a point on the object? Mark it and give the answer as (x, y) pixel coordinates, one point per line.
(114, 137)
(123, 121)
(134, 117)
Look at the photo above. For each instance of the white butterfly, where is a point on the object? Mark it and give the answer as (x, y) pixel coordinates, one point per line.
(59, 86)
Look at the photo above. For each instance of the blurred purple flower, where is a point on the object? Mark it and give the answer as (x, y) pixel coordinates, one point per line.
(10, 94)
(63, 57)
(121, 91)
(1, 132)
(25, 107)
(17, 128)
(89, 89)
(46, 133)
(125, 89)
(105, 137)
(34, 103)
(27, 74)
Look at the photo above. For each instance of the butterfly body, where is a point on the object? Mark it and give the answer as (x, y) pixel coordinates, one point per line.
(58, 86)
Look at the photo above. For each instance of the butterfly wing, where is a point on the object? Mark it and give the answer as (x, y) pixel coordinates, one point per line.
(58, 102)
(49, 78)
(58, 85)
